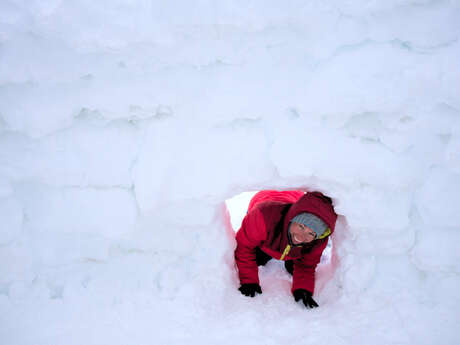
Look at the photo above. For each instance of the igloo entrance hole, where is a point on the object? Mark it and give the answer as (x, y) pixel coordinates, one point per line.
(237, 208)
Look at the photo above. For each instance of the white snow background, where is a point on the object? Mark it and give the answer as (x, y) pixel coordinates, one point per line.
(125, 125)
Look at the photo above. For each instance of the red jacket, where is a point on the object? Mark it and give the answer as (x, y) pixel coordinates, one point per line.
(266, 226)
(289, 196)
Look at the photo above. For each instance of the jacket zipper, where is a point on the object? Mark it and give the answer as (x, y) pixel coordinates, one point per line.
(285, 252)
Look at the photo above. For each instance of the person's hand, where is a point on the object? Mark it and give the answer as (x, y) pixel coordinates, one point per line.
(250, 289)
(305, 296)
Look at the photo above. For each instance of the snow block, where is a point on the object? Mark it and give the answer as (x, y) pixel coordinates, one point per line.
(11, 216)
(438, 198)
(436, 250)
(109, 212)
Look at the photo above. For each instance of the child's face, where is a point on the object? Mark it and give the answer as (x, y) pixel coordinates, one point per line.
(301, 233)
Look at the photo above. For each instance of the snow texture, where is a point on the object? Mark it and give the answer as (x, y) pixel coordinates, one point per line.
(126, 125)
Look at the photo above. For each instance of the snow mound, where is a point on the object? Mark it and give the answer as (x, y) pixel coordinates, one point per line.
(125, 125)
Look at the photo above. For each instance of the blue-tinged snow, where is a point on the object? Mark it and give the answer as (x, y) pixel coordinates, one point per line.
(126, 125)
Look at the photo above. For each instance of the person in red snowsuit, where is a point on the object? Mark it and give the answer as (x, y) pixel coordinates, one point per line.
(292, 226)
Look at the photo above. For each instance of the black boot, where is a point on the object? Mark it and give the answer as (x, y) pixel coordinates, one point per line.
(261, 257)
(289, 266)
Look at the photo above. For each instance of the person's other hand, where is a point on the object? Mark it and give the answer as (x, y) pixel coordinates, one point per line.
(250, 289)
(305, 296)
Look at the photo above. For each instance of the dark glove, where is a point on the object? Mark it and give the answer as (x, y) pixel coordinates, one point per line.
(250, 289)
(305, 296)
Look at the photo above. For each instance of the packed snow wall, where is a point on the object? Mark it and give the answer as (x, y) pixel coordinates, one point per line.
(124, 126)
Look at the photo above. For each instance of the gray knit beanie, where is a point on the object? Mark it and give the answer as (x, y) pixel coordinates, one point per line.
(313, 222)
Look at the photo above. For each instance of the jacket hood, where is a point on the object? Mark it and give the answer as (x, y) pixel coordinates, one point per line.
(315, 203)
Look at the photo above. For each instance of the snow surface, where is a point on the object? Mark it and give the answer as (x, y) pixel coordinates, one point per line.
(125, 125)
